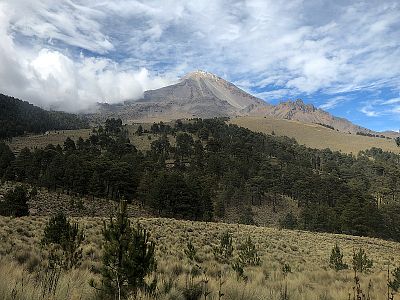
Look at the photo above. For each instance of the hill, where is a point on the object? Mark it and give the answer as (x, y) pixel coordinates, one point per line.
(23, 262)
(19, 117)
(308, 113)
(315, 135)
(215, 171)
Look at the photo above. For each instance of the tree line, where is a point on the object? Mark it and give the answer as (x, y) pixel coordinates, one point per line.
(213, 166)
(18, 117)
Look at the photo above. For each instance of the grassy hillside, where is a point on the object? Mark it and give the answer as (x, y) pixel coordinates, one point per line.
(310, 135)
(315, 136)
(22, 262)
(58, 137)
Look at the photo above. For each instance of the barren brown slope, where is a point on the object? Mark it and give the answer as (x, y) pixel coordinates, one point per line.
(315, 136)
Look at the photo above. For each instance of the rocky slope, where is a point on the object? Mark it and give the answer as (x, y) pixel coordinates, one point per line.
(205, 95)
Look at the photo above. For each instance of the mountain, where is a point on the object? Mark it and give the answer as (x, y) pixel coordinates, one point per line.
(198, 94)
(308, 113)
(18, 117)
(205, 95)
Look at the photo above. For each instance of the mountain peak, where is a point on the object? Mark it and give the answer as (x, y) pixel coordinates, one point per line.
(199, 74)
(298, 105)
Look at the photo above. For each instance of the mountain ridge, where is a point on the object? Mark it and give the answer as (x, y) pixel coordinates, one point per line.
(205, 95)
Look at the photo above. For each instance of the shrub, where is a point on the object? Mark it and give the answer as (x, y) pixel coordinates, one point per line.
(289, 221)
(64, 240)
(394, 284)
(224, 251)
(15, 203)
(190, 251)
(248, 254)
(361, 263)
(238, 267)
(336, 259)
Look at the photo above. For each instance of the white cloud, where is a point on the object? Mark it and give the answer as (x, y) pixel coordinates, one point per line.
(290, 46)
(333, 102)
(375, 108)
(53, 79)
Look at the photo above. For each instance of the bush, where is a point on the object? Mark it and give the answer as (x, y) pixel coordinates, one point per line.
(289, 221)
(246, 217)
(60, 234)
(361, 263)
(190, 251)
(15, 203)
(336, 259)
(248, 254)
(394, 284)
(224, 251)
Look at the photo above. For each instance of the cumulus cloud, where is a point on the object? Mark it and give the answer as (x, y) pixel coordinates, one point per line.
(83, 51)
(54, 78)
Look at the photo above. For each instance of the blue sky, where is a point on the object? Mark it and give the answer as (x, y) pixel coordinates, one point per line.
(342, 56)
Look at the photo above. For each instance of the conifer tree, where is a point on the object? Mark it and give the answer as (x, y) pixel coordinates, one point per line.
(336, 259)
(128, 257)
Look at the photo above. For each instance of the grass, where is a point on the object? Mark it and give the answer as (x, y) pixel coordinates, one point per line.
(22, 261)
(316, 136)
(310, 135)
(40, 141)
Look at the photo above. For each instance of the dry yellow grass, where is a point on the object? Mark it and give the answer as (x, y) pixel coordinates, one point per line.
(40, 141)
(307, 254)
(315, 136)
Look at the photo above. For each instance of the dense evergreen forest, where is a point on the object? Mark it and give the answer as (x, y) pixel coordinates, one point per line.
(214, 166)
(18, 117)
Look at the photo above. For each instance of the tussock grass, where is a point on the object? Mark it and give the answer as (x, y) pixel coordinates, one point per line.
(22, 261)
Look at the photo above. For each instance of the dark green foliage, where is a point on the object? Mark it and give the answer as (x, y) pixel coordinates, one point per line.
(139, 130)
(69, 145)
(224, 251)
(19, 117)
(248, 254)
(238, 267)
(289, 221)
(336, 259)
(232, 168)
(394, 283)
(397, 140)
(173, 195)
(65, 236)
(246, 216)
(128, 257)
(190, 251)
(286, 269)
(192, 292)
(6, 158)
(15, 203)
(361, 263)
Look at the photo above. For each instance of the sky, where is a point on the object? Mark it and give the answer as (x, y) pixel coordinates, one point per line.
(341, 56)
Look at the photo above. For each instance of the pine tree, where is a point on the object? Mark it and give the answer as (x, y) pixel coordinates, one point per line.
(361, 263)
(15, 203)
(96, 187)
(224, 251)
(248, 254)
(60, 233)
(128, 257)
(336, 259)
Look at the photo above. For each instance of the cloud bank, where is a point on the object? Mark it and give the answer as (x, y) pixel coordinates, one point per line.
(73, 53)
